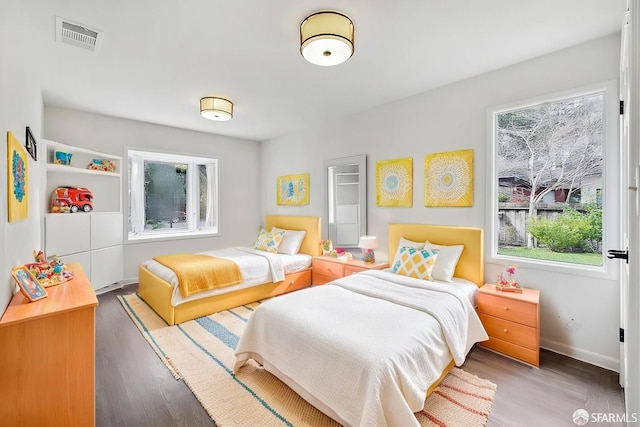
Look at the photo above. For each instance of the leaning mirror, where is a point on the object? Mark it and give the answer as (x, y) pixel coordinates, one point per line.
(347, 200)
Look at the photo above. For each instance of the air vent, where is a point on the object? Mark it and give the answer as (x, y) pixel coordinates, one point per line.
(77, 34)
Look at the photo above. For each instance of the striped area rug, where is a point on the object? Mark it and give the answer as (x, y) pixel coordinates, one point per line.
(201, 352)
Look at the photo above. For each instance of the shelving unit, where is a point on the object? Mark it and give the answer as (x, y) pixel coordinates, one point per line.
(93, 239)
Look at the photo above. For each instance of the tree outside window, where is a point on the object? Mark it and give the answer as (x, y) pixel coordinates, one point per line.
(549, 164)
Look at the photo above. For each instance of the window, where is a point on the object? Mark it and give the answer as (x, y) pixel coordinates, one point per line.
(553, 180)
(171, 195)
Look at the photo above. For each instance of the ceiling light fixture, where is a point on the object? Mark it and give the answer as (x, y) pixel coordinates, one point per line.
(213, 108)
(326, 38)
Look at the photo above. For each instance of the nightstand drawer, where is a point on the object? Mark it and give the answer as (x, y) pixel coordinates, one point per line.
(525, 336)
(513, 350)
(352, 269)
(510, 309)
(327, 269)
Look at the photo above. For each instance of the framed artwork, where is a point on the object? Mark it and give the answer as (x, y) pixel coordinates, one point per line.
(293, 189)
(28, 284)
(448, 179)
(31, 144)
(394, 182)
(17, 179)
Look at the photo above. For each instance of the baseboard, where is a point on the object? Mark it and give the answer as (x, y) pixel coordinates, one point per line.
(114, 286)
(586, 356)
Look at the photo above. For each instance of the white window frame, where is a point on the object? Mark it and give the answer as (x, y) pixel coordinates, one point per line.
(193, 229)
(611, 221)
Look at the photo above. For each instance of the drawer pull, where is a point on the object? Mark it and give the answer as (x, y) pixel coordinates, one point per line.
(292, 282)
(327, 268)
(505, 330)
(505, 308)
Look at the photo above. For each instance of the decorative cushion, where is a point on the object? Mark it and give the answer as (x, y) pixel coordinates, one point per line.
(446, 262)
(268, 241)
(406, 243)
(416, 263)
(291, 241)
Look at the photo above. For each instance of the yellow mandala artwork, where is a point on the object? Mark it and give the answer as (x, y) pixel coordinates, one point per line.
(394, 182)
(448, 179)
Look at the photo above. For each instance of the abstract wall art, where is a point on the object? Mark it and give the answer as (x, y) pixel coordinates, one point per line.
(394, 182)
(293, 189)
(18, 180)
(448, 179)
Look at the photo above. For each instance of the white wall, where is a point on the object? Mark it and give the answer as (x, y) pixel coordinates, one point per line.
(20, 106)
(452, 118)
(239, 173)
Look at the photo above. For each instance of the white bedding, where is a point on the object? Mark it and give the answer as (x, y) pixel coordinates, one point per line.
(257, 267)
(364, 349)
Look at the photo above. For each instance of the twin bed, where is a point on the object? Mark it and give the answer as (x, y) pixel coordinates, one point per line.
(368, 348)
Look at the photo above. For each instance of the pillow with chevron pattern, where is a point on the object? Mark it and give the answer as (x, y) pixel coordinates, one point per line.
(268, 241)
(416, 263)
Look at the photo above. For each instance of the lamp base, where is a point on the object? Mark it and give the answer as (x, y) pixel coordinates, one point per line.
(368, 256)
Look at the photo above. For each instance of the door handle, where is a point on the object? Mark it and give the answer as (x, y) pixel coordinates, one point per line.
(617, 253)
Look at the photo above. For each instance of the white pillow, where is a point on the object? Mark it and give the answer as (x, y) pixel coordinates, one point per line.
(404, 243)
(446, 261)
(291, 241)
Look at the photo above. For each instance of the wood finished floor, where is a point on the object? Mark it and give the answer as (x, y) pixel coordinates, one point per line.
(134, 388)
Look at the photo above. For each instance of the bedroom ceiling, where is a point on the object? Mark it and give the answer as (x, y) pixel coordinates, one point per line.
(158, 58)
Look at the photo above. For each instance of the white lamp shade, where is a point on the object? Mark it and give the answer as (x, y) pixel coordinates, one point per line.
(218, 109)
(326, 38)
(368, 242)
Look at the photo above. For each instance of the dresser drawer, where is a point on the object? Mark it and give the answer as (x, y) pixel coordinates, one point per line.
(328, 269)
(525, 354)
(512, 332)
(510, 309)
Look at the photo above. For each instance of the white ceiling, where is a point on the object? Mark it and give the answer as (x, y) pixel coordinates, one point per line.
(158, 58)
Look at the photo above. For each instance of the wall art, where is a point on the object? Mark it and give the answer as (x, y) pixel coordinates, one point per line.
(31, 144)
(17, 179)
(293, 189)
(448, 179)
(394, 182)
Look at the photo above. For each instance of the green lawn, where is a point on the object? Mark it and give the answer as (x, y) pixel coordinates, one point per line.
(540, 253)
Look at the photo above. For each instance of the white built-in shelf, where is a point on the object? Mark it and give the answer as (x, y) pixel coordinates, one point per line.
(53, 167)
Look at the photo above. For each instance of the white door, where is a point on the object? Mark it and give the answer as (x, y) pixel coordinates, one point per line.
(630, 150)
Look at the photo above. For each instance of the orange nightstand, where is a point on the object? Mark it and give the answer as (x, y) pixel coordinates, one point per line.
(326, 269)
(512, 321)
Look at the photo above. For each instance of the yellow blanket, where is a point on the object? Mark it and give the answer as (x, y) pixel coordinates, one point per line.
(197, 273)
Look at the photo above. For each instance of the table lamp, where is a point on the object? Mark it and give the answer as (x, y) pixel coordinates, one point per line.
(368, 244)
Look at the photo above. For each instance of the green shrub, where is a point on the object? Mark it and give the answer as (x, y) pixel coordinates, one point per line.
(571, 231)
(503, 197)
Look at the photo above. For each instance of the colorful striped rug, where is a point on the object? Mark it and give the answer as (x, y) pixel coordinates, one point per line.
(201, 352)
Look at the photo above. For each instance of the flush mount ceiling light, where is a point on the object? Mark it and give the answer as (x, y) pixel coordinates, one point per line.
(326, 38)
(213, 108)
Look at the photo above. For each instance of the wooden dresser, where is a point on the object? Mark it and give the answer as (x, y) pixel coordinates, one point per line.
(512, 321)
(326, 269)
(47, 357)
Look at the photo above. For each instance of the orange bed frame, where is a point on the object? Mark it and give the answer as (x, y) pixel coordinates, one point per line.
(157, 292)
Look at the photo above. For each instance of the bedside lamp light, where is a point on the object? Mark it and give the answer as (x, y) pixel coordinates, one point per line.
(368, 244)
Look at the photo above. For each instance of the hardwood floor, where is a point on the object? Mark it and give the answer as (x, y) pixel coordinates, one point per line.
(134, 388)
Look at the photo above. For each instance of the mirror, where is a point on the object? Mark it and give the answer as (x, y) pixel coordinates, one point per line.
(347, 200)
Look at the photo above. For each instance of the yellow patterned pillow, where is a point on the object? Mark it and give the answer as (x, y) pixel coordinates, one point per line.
(416, 263)
(268, 241)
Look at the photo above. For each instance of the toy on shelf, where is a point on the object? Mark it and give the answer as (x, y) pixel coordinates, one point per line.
(102, 165)
(62, 158)
(71, 199)
(48, 271)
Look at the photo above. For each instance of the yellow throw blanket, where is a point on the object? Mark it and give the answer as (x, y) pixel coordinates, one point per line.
(197, 273)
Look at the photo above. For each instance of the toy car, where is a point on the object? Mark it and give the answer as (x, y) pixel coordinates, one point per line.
(71, 199)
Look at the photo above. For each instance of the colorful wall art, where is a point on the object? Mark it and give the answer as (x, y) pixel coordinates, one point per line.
(293, 189)
(448, 179)
(18, 179)
(394, 182)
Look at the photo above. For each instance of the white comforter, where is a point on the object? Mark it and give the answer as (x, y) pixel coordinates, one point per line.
(363, 349)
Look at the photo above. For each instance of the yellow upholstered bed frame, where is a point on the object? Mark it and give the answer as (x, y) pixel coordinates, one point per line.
(471, 263)
(157, 292)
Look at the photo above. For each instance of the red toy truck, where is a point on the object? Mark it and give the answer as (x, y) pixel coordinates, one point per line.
(71, 199)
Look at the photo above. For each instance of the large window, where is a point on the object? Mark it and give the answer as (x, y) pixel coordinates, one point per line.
(171, 195)
(549, 180)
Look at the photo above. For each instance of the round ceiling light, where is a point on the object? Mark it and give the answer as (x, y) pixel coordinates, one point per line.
(218, 109)
(326, 38)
